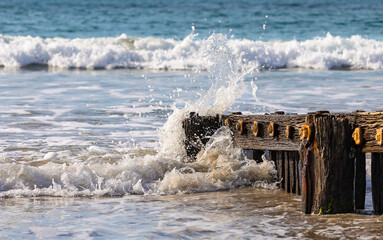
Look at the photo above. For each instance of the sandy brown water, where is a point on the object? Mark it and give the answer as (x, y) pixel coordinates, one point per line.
(245, 213)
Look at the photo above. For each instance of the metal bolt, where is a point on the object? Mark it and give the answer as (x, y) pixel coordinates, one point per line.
(255, 128)
(239, 127)
(289, 132)
(379, 136)
(271, 129)
(227, 122)
(305, 132)
(357, 136)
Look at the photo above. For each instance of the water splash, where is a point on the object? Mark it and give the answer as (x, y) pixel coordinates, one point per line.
(227, 82)
(99, 171)
(227, 85)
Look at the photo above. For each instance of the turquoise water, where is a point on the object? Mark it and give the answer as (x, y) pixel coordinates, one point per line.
(286, 20)
(92, 95)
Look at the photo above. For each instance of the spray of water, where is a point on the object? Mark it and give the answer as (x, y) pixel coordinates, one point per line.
(219, 166)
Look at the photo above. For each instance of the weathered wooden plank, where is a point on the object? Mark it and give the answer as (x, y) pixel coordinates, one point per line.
(297, 173)
(264, 141)
(278, 158)
(198, 130)
(307, 175)
(360, 179)
(287, 171)
(369, 122)
(377, 182)
(292, 172)
(328, 169)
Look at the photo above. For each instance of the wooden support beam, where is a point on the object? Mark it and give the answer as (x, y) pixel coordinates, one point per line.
(328, 169)
(369, 122)
(377, 182)
(297, 173)
(278, 158)
(264, 141)
(198, 130)
(287, 171)
(307, 175)
(293, 159)
(360, 179)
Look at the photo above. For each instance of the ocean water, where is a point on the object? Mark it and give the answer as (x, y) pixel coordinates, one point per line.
(93, 93)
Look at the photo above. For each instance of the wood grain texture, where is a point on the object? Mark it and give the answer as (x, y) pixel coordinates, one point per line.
(377, 182)
(265, 142)
(292, 173)
(307, 175)
(360, 179)
(197, 132)
(287, 171)
(369, 122)
(333, 166)
(277, 158)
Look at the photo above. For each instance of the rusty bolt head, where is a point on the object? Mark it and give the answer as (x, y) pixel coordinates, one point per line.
(357, 136)
(379, 136)
(289, 132)
(255, 128)
(271, 129)
(227, 122)
(305, 132)
(239, 127)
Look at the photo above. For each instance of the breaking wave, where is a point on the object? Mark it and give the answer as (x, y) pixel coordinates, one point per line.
(221, 166)
(329, 52)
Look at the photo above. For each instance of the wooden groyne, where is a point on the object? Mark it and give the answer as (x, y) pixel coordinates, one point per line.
(321, 155)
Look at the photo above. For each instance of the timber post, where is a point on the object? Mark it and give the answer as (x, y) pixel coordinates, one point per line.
(377, 182)
(360, 178)
(198, 130)
(328, 170)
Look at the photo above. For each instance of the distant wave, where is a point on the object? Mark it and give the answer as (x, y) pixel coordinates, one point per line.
(329, 52)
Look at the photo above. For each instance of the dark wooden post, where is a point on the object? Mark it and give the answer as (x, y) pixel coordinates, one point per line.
(287, 177)
(293, 159)
(278, 158)
(297, 173)
(198, 129)
(307, 175)
(327, 166)
(377, 181)
(360, 179)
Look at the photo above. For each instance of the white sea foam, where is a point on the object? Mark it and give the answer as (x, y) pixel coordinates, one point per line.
(329, 52)
(102, 172)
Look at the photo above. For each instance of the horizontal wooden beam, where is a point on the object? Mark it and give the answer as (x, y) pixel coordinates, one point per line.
(264, 141)
(368, 122)
(199, 128)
